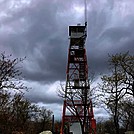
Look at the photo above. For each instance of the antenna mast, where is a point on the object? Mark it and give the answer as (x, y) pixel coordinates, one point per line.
(85, 12)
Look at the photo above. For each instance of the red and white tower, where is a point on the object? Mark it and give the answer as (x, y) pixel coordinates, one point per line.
(77, 106)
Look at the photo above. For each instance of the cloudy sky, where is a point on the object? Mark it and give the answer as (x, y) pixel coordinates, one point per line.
(38, 29)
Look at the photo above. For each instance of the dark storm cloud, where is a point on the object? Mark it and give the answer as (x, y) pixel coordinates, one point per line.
(109, 32)
(41, 39)
(48, 36)
(45, 98)
(39, 31)
(43, 93)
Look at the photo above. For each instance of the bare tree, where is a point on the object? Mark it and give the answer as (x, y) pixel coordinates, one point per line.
(16, 112)
(20, 111)
(10, 82)
(105, 126)
(10, 74)
(117, 84)
(126, 110)
(45, 118)
(4, 111)
(112, 87)
(126, 64)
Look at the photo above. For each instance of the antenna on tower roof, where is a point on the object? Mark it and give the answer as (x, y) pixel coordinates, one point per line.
(85, 12)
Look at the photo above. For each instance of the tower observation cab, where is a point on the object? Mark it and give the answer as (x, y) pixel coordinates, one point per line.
(77, 35)
(77, 58)
(77, 108)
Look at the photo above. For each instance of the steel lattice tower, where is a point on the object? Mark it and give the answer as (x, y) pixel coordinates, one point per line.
(77, 105)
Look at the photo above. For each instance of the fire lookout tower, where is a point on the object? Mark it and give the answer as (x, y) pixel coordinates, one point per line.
(77, 106)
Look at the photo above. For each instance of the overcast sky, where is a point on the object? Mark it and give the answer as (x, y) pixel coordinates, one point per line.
(38, 29)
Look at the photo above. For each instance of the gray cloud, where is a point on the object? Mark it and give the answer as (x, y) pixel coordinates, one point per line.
(43, 93)
(39, 31)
